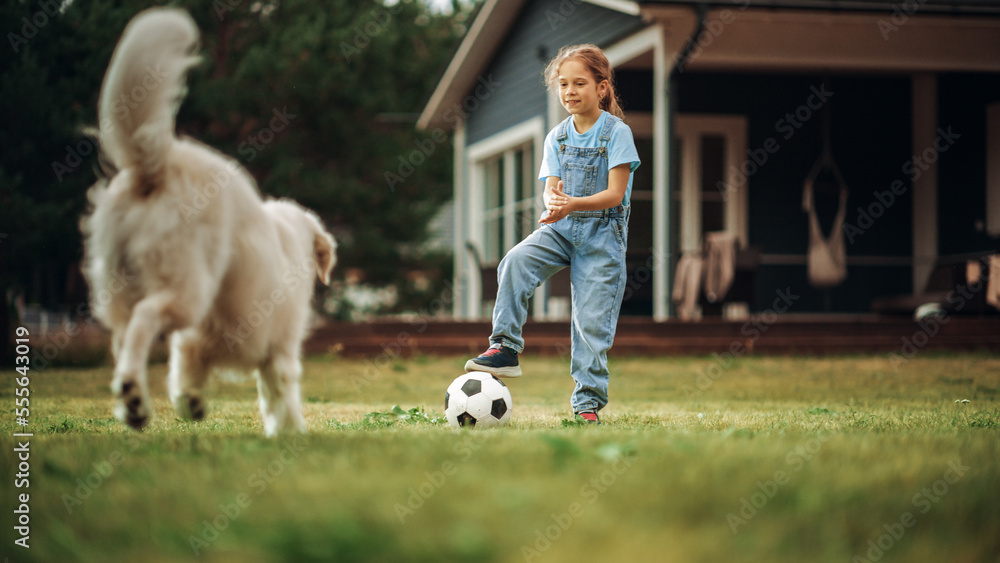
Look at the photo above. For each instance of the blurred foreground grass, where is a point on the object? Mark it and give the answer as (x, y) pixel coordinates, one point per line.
(765, 459)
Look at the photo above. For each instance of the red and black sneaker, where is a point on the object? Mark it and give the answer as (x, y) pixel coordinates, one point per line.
(589, 416)
(498, 360)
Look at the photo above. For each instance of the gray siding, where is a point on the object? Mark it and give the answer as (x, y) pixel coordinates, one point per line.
(542, 28)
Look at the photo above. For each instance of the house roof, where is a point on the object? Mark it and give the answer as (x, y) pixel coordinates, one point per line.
(957, 7)
(494, 20)
(489, 28)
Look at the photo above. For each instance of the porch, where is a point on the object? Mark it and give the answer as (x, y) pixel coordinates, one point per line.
(765, 333)
(733, 106)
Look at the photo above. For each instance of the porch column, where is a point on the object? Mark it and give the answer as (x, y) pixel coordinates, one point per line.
(925, 187)
(466, 276)
(662, 140)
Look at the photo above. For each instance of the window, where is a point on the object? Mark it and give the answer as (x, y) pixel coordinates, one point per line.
(713, 195)
(501, 204)
(510, 206)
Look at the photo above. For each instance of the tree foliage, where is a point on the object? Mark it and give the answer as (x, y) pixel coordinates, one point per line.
(316, 98)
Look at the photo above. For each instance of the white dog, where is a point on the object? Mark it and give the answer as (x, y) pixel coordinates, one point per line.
(180, 242)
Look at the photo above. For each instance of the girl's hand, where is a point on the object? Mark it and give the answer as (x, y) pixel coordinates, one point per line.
(557, 206)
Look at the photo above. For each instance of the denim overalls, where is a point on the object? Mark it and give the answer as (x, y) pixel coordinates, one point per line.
(592, 244)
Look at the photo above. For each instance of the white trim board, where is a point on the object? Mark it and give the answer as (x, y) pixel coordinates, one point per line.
(477, 48)
(656, 126)
(689, 128)
(638, 43)
(623, 6)
(530, 130)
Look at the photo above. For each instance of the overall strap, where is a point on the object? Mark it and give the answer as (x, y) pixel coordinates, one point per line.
(562, 133)
(609, 124)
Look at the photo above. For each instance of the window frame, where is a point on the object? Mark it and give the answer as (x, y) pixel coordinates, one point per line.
(484, 158)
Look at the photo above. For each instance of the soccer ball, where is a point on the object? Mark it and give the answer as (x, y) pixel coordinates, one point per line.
(477, 399)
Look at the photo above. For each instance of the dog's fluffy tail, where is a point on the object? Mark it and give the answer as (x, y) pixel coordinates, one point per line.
(143, 89)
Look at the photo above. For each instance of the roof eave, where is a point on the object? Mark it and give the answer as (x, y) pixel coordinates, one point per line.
(476, 50)
(963, 7)
(474, 53)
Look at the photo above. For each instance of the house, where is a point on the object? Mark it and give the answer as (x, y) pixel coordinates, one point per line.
(733, 105)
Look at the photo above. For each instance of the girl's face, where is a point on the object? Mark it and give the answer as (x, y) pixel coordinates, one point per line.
(579, 92)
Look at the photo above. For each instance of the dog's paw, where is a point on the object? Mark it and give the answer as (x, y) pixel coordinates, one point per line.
(288, 424)
(137, 421)
(133, 413)
(190, 407)
(132, 408)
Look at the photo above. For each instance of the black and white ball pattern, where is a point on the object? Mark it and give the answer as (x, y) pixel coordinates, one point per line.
(477, 399)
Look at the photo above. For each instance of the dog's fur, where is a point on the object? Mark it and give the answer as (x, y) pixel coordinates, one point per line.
(180, 242)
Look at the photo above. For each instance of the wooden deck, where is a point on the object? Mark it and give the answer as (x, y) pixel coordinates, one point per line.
(758, 335)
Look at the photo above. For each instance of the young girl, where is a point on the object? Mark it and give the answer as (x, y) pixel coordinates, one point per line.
(587, 167)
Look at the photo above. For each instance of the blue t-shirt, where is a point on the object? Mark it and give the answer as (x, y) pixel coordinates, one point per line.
(621, 149)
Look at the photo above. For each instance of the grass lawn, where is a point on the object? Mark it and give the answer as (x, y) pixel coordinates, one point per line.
(765, 459)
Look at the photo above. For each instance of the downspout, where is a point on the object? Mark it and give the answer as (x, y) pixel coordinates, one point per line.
(685, 55)
(672, 158)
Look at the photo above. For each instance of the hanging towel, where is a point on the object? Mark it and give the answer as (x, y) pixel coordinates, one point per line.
(974, 270)
(827, 261)
(993, 285)
(720, 264)
(687, 281)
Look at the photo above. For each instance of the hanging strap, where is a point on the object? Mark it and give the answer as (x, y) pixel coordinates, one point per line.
(809, 207)
(825, 161)
(827, 257)
(609, 123)
(562, 133)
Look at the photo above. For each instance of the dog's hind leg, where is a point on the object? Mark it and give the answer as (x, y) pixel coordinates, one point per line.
(150, 317)
(280, 395)
(187, 377)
